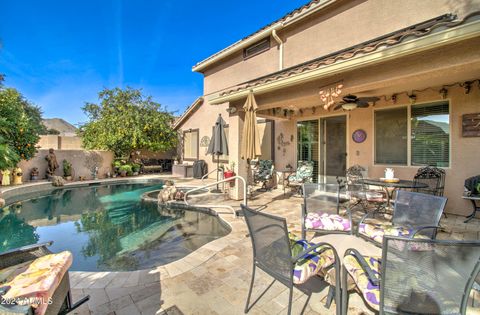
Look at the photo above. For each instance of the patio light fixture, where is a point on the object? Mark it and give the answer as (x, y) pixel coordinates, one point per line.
(349, 106)
(231, 110)
(443, 93)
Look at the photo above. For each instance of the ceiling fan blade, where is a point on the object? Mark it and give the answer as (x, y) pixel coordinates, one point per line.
(338, 106)
(349, 98)
(369, 99)
(362, 103)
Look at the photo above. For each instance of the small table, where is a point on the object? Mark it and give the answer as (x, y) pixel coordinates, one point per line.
(473, 199)
(390, 187)
(286, 172)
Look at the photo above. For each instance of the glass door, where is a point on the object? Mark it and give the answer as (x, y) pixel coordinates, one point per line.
(334, 148)
(308, 145)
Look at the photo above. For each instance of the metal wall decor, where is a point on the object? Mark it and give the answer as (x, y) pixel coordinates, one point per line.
(329, 93)
(205, 141)
(359, 136)
(471, 125)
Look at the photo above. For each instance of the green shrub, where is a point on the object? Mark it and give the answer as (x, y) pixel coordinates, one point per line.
(67, 168)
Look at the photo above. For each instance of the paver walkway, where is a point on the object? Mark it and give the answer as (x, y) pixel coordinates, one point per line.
(215, 278)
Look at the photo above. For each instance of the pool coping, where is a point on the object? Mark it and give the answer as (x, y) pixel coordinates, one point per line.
(126, 279)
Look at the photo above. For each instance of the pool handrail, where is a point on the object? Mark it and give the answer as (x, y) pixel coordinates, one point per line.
(217, 169)
(219, 182)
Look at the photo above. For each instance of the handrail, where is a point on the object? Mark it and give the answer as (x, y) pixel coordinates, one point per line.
(206, 175)
(219, 182)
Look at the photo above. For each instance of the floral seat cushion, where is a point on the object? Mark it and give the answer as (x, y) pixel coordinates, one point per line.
(369, 291)
(36, 280)
(316, 262)
(376, 231)
(328, 222)
(304, 173)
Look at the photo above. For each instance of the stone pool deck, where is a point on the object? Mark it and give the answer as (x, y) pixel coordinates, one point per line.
(215, 278)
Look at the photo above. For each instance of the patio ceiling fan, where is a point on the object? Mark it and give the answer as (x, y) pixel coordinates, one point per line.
(351, 102)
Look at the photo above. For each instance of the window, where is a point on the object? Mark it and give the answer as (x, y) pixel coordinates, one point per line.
(257, 48)
(391, 136)
(190, 145)
(429, 135)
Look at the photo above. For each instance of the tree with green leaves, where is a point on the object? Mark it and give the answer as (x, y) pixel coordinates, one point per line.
(125, 121)
(20, 127)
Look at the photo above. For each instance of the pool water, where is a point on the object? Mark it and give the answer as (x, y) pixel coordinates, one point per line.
(108, 227)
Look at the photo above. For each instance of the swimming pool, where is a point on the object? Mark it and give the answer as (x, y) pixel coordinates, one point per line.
(109, 227)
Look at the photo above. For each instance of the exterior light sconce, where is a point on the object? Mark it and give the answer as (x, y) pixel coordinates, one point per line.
(443, 93)
(394, 98)
(413, 98)
(231, 110)
(467, 86)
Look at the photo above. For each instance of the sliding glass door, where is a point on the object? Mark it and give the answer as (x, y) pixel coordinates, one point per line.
(307, 144)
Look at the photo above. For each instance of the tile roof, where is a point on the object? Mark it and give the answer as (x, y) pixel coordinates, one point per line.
(414, 31)
(306, 7)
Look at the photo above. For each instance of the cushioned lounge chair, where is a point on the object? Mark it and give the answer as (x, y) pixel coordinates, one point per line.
(414, 276)
(414, 215)
(287, 260)
(321, 211)
(264, 172)
(303, 174)
(34, 272)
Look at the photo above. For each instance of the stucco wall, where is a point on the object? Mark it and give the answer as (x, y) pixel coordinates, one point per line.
(57, 142)
(78, 158)
(464, 152)
(342, 25)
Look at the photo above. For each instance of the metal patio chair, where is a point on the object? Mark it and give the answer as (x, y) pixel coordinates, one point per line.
(289, 261)
(414, 215)
(263, 173)
(414, 276)
(321, 209)
(434, 177)
(358, 193)
(14, 262)
(303, 174)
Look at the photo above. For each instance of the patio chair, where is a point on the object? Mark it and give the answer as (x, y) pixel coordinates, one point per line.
(263, 173)
(321, 209)
(289, 261)
(414, 215)
(303, 174)
(33, 272)
(358, 193)
(414, 276)
(434, 177)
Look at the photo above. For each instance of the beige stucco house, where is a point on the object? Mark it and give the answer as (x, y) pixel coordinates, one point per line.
(420, 58)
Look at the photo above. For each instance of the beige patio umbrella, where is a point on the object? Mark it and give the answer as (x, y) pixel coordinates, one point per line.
(250, 147)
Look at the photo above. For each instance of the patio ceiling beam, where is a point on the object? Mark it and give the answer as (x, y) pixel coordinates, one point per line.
(431, 41)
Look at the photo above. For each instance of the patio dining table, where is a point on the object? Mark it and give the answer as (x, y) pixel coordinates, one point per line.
(391, 187)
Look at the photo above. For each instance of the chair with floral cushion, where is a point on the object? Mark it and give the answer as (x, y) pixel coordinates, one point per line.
(414, 215)
(286, 259)
(321, 209)
(263, 173)
(303, 174)
(37, 277)
(358, 193)
(414, 276)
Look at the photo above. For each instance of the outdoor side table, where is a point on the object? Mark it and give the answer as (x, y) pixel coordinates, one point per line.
(473, 199)
(390, 187)
(284, 175)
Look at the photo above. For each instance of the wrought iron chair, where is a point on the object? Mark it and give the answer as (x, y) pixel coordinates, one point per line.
(434, 177)
(321, 209)
(303, 174)
(414, 276)
(263, 173)
(414, 215)
(358, 193)
(15, 262)
(289, 261)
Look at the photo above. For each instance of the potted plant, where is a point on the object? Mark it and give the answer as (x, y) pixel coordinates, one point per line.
(125, 170)
(135, 169)
(230, 172)
(67, 170)
(34, 173)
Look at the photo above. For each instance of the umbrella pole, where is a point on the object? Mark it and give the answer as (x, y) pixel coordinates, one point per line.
(218, 165)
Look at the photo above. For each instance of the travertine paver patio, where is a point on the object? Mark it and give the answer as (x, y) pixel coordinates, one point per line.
(215, 278)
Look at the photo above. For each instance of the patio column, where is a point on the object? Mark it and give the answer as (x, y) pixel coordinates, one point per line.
(235, 126)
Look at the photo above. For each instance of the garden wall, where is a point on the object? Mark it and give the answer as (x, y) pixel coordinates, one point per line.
(82, 163)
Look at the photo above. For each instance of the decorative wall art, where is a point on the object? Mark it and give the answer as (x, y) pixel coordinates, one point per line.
(205, 141)
(282, 144)
(471, 125)
(359, 136)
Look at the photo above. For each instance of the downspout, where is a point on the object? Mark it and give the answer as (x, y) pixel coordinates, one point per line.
(280, 45)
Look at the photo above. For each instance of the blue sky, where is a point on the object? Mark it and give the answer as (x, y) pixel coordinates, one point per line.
(60, 54)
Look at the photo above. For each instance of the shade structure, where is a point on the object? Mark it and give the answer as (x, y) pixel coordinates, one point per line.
(250, 148)
(218, 143)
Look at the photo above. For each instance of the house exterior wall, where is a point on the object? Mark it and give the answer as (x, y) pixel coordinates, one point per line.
(339, 26)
